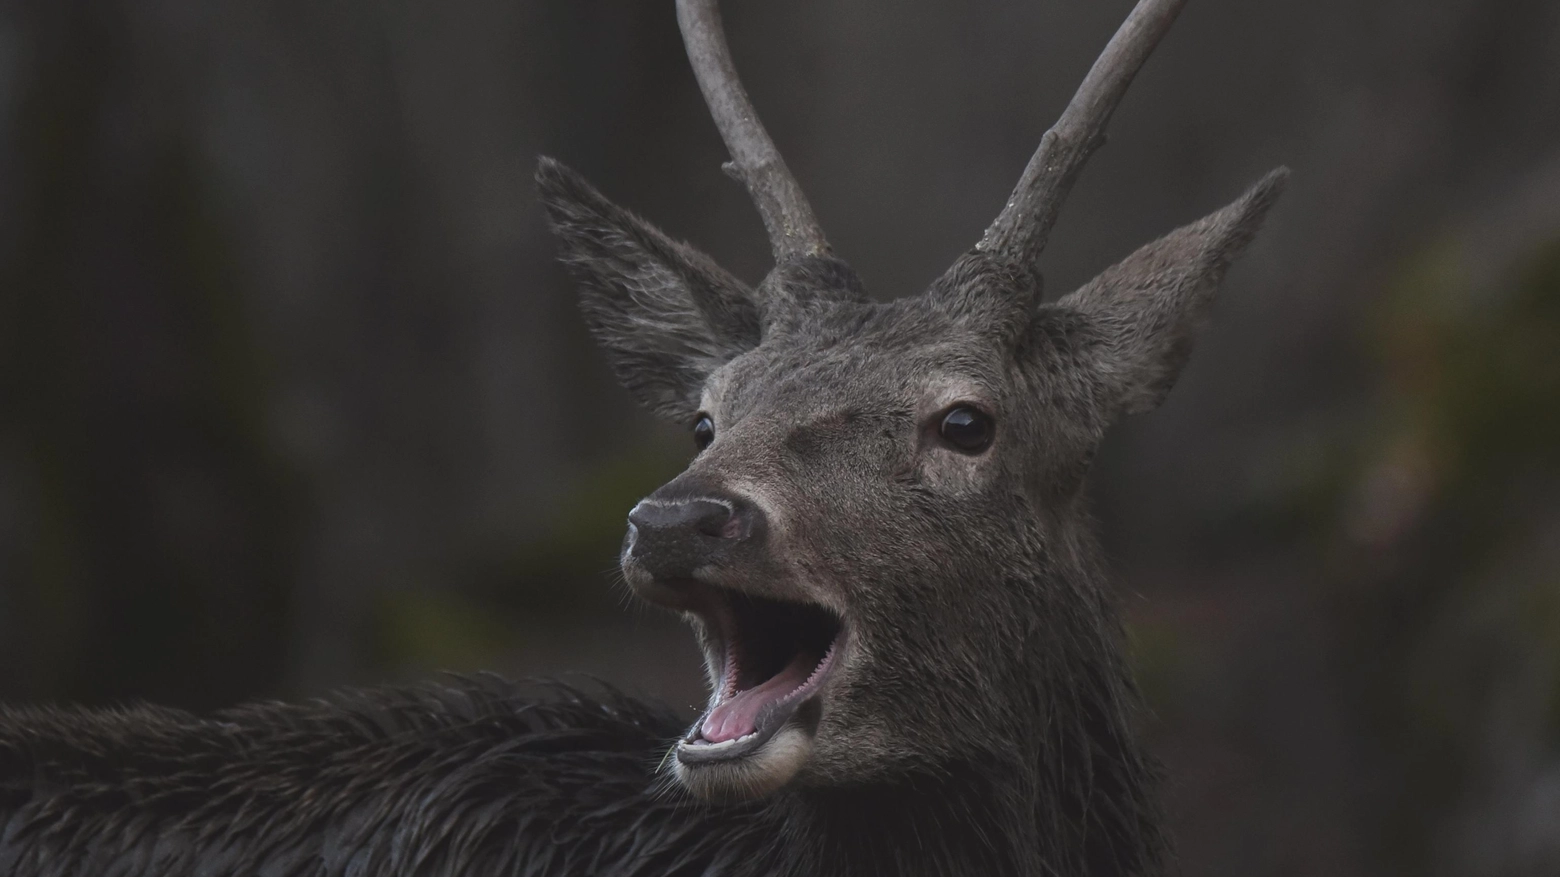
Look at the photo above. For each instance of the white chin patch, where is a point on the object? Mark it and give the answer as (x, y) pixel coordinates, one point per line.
(771, 766)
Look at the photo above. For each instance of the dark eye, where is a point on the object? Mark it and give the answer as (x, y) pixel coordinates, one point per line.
(703, 431)
(967, 429)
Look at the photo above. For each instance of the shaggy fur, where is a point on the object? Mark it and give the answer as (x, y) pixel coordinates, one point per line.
(469, 778)
(475, 778)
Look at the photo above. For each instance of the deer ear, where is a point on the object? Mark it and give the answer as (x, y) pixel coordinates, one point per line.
(666, 314)
(1133, 326)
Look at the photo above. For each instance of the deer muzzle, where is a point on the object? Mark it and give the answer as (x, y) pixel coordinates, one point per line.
(769, 648)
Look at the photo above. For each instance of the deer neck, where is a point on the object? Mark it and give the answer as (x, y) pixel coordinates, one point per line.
(962, 822)
(1069, 792)
(1095, 794)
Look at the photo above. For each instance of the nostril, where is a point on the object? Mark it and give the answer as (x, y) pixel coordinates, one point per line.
(736, 528)
(719, 521)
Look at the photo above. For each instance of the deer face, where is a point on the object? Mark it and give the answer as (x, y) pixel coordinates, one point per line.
(875, 539)
(862, 538)
(884, 454)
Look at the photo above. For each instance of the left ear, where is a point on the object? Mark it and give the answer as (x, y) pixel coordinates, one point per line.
(665, 313)
(1133, 326)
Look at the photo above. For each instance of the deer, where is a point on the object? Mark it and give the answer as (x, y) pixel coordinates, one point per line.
(882, 544)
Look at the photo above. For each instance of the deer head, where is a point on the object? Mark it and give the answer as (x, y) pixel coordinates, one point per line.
(881, 542)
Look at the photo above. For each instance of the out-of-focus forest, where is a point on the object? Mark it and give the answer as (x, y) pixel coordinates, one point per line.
(292, 395)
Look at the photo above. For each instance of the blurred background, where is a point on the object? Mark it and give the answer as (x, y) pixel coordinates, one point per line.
(292, 395)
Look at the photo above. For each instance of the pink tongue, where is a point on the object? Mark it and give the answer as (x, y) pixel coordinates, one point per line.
(738, 716)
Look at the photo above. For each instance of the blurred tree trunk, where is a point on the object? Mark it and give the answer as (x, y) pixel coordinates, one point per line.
(152, 522)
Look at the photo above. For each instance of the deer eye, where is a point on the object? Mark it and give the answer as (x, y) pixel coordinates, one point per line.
(703, 431)
(967, 429)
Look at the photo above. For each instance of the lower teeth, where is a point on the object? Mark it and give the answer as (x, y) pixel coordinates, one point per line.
(724, 744)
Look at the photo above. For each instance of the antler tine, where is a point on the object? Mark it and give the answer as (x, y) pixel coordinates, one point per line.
(793, 230)
(1021, 230)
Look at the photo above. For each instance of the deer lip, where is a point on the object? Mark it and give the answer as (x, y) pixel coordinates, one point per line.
(771, 657)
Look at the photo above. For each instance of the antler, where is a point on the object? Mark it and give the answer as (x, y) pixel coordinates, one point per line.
(1021, 230)
(793, 230)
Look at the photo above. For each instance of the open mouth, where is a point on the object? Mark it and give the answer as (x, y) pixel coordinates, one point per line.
(769, 658)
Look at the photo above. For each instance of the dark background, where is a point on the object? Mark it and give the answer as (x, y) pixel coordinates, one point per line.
(292, 395)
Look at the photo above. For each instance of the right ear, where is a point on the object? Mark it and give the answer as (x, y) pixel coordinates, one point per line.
(666, 314)
(1133, 326)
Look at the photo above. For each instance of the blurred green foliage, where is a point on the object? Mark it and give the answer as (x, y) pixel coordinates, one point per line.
(1444, 545)
(567, 576)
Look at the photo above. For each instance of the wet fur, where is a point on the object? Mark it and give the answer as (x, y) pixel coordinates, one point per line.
(474, 777)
